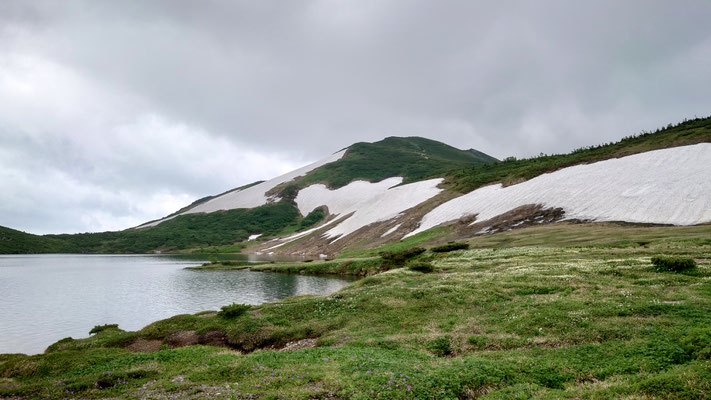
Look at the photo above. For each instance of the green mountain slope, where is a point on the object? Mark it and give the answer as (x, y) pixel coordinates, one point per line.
(189, 231)
(16, 242)
(413, 158)
(512, 171)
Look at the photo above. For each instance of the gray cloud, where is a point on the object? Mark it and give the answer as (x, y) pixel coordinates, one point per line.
(112, 113)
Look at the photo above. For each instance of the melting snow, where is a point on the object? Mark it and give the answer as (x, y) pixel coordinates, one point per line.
(255, 196)
(368, 203)
(252, 237)
(344, 198)
(669, 186)
(391, 230)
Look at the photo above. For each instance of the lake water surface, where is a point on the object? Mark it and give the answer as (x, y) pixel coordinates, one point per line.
(44, 298)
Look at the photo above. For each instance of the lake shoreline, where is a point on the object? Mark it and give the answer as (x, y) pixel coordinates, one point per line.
(563, 320)
(358, 267)
(49, 297)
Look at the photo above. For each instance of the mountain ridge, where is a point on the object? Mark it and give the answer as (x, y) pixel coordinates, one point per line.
(367, 194)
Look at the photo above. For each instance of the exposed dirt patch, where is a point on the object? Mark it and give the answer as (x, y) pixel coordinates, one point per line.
(520, 217)
(214, 338)
(299, 344)
(182, 338)
(142, 345)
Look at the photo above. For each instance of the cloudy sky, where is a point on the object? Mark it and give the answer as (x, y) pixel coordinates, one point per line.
(117, 112)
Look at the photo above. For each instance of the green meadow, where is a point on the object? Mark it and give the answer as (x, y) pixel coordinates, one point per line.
(535, 313)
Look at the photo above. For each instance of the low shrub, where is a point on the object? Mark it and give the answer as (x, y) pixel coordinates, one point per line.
(441, 346)
(697, 342)
(234, 310)
(59, 344)
(673, 264)
(550, 377)
(421, 266)
(101, 328)
(312, 219)
(450, 247)
(477, 341)
(400, 257)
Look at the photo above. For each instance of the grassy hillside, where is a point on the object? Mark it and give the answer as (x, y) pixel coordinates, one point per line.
(16, 242)
(190, 231)
(512, 171)
(414, 158)
(589, 321)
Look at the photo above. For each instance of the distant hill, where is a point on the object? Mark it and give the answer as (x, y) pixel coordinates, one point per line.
(16, 242)
(376, 194)
(269, 208)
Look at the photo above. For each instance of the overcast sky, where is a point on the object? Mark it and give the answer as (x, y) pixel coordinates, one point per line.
(113, 113)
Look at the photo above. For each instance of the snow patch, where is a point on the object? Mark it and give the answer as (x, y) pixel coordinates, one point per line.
(252, 237)
(253, 196)
(668, 186)
(381, 206)
(295, 236)
(391, 230)
(342, 199)
(367, 202)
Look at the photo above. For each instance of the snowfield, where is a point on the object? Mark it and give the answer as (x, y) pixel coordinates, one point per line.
(253, 196)
(668, 186)
(391, 230)
(368, 203)
(345, 198)
(384, 206)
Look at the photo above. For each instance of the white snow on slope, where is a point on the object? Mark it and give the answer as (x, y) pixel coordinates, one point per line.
(344, 198)
(391, 230)
(669, 186)
(369, 202)
(253, 196)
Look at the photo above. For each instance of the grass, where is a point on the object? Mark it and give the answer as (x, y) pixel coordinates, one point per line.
(575, 320)
(400, 245)
(512, 171)
(602, 234)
